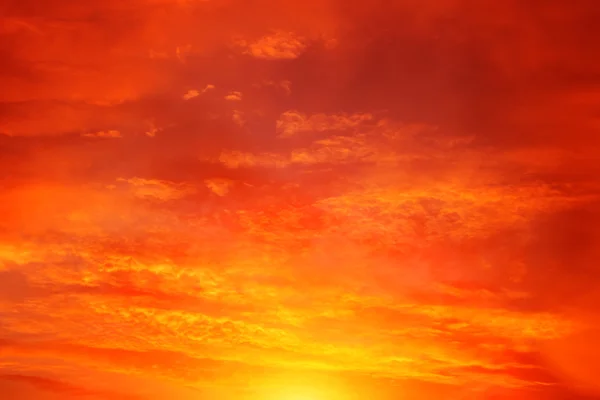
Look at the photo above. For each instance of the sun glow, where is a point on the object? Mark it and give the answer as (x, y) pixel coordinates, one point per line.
(300, 396)
(303, 388)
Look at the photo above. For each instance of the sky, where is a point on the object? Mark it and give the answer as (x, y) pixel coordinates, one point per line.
(299, 200)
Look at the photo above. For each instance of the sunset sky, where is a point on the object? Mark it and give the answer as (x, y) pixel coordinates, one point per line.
(299, 199)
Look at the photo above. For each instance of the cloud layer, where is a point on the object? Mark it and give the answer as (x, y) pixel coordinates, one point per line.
(232, 199)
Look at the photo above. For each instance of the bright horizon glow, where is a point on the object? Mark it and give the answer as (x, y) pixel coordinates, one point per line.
(294, 395)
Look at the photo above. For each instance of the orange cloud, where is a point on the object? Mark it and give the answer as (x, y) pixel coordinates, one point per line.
(220, 187)
(398, 208)
(104, 134)
(190, 94)
(291, 123)
(234, 96)
(279, 45)
(152, 188)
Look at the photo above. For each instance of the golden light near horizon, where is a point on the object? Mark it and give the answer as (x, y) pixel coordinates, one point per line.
(301, 385)
(304, 393)
(294, 394)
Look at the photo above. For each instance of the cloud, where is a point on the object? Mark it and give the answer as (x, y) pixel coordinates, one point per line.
(276, 46)
(353, 139)
(152, 188)
(285, 85)
(291, 123)
(220, 187)
(190, 94)
(54, 118)
(234, 96)
(398, 206)
(237, 159)
(104, 134)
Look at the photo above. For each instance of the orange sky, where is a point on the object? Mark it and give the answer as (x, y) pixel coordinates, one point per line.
(299, 200)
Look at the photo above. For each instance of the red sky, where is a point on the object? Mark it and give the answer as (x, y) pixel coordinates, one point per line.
(299, 200)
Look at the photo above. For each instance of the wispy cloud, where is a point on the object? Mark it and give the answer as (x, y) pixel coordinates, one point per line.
(279, 45)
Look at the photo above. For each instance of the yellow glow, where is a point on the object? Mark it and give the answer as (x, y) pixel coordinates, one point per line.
(300, 396)
(302, 387)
